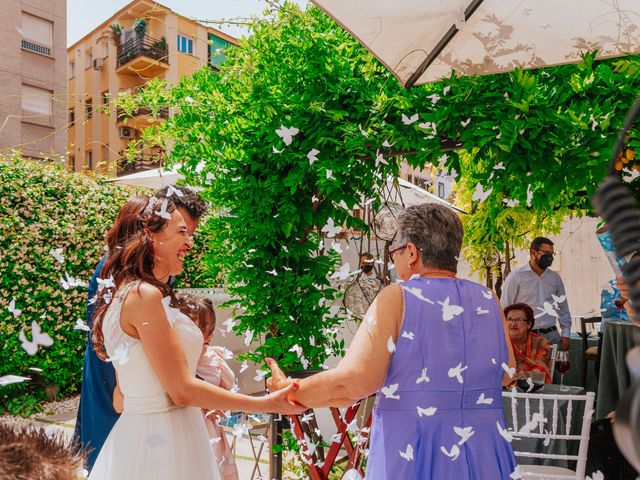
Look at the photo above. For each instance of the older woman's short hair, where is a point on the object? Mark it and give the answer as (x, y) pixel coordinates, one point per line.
(435, 230)
(30, 453)
(523, 307)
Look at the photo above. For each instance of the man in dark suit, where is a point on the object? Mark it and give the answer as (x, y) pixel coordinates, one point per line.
(96, 415)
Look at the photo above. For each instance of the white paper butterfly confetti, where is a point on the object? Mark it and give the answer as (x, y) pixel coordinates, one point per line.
(57, 254)
(427, 412)
(409, 120)
(12, 308)
(9, 379)
(390, 391)
(457, 372)
(423, 377)
(38, 338)
(287, 134)
(163, 210)
(331, 229)
(479, 194)
(313, 156)
(453, 454)
(81, 325)
(483, 400)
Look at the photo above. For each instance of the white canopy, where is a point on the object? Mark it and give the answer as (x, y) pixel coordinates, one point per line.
(155, 178)
(423, 41)
(413, 195)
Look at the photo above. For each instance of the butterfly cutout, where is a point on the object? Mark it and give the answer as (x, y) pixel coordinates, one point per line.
(481, 311)
(313, 156)
(457, 372)
(488, 294)
(408, 335)
(120, 354)
(479, 194)
(409, 120)
(38, 338)
(362, 131)
(426, 412)
(12, 308)
(390, 391)
(105, 283)
(417, 292)
(449, 311)
(57, 254)
(163, 210)
(509, 370)
(390, 345)
(81, 325)
(171, 190)
(483, 400)
(9, 379)
(244, 366)
(331, 229)
(287, 134)
(342, 273)
(465, 433)
(408, 453)
(505, 433)
(260, 374)
(453, 454)
(546, 309)
(423, 377)
(466, 122)
(530, 196)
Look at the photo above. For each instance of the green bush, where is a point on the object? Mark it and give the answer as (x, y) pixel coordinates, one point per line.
(43, 207)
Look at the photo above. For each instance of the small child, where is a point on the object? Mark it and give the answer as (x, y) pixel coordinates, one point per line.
(213, 369)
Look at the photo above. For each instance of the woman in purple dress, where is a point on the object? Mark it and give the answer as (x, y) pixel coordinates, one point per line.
(434, 349)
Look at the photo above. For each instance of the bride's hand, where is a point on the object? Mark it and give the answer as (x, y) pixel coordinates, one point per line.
(278, 402)
(278, 379)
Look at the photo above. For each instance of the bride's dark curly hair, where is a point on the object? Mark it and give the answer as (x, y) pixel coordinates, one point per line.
(130, 256)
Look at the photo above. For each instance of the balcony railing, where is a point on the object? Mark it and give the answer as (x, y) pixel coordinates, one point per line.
(144, 46)
(162, 113)
(142, 161)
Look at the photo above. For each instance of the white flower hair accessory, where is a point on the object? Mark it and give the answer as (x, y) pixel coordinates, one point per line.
(153, 201)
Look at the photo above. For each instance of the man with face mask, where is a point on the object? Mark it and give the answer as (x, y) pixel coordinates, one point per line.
(542, 289)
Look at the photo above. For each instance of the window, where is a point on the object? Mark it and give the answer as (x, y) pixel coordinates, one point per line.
(89, 106)
(216, 50)
(72, 116)
(185, 45)
(88, 56)
(72, 162)
(72, 68)
(105, 97)
(89, 155)
(441, 189)
(106, 49)
(105, 153)
(37, 34)
(36, 100)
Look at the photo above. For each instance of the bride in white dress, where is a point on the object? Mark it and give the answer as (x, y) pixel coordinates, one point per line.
(154, 348)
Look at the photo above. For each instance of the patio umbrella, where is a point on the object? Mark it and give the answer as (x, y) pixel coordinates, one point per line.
(423, 41)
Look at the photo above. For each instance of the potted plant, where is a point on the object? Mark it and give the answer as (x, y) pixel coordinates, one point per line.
(116, 33)
(140, 27)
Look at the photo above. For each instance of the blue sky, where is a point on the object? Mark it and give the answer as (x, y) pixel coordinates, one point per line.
(83, 16)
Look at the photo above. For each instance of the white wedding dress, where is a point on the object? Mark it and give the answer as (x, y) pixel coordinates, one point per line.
(153, 439)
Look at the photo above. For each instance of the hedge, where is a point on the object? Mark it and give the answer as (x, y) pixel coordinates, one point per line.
(42, 208)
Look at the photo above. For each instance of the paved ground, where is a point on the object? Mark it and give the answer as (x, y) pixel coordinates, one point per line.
(65, 422)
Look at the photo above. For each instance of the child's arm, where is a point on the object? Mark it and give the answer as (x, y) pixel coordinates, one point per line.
(118, 398)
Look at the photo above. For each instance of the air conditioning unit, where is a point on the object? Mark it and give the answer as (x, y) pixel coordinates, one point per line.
(127, 132)
(98, 63)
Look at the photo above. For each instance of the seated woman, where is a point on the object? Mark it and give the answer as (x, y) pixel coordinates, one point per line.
(531, 350)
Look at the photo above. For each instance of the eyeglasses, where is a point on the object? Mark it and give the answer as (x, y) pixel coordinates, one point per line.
(516, 320)
(393, 251)
(553, 254)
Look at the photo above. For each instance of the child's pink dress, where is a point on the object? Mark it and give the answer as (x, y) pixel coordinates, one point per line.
(214, 370)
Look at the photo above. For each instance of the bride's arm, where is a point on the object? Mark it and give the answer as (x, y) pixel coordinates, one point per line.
(143, 316)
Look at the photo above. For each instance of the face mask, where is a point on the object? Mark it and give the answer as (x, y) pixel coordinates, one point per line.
(545, 261)
(367, 268)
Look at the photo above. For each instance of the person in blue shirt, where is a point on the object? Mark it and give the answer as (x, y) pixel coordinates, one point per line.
(96, 415)
(612, 308)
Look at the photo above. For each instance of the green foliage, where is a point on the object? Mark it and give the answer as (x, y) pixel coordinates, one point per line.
(551, 129)
(42, 208)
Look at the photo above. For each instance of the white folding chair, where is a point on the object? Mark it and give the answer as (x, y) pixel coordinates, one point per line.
(535, 428)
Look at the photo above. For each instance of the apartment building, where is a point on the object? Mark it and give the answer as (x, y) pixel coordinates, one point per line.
(33, 83)
(142, 41)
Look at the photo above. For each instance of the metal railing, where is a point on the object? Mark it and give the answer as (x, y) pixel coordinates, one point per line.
(140, 163)
(161, 113)
(143, 46)
(36, 47)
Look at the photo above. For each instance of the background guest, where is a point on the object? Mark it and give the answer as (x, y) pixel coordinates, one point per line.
(543, 290)
(531, 350)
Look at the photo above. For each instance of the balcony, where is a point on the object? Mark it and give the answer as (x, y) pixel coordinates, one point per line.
(141, 118)
(145, 56)
(142, 162)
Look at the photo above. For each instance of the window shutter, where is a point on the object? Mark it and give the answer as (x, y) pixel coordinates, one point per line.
(37, 29)
(36, 100)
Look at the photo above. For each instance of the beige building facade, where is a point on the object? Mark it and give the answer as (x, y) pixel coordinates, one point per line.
(142, 41)
(33, 82)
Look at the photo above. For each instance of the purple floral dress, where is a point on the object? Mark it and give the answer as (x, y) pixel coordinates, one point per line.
(439, 413)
